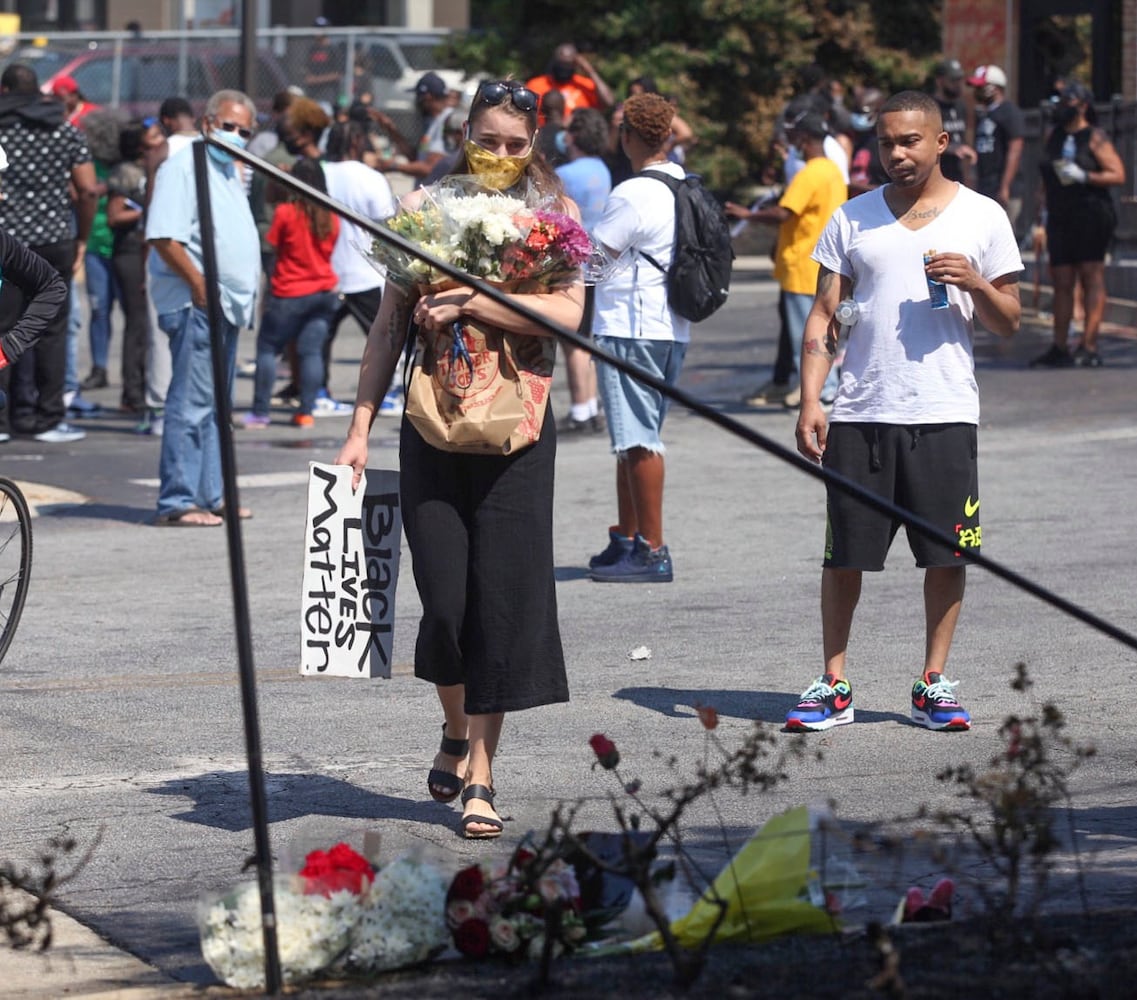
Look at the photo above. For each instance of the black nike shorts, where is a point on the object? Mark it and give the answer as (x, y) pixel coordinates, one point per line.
(929, 469)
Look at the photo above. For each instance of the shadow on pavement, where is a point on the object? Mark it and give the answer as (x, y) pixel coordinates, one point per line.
(221, 800)
(762, 706)
(99, 512)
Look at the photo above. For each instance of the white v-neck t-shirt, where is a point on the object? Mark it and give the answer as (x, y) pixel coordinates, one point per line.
(907, 363)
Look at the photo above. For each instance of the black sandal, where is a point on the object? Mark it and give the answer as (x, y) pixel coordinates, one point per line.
(445, 779)
(486, 795)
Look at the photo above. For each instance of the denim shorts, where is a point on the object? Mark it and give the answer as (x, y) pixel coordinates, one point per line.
(635, 411)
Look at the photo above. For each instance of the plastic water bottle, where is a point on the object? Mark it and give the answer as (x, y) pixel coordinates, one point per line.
(847, 313)
(1069, 149)
(937, 290)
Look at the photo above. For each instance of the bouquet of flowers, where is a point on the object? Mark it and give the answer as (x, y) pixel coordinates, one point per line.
(499, 909)
(339, 913)
(488, 235)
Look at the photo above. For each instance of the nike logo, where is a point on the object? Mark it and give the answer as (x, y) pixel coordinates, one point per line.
(970, 508)
(920, 702)
(842, 701)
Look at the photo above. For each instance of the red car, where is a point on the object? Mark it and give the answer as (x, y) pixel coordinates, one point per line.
(138, 76)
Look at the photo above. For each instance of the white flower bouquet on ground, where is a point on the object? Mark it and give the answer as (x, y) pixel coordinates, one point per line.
(339, 914)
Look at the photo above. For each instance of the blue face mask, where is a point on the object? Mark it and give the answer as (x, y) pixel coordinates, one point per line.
(230, 139)
(561, 142)
(862, 122)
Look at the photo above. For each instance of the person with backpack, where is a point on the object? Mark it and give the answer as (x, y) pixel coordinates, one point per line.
(634, 321)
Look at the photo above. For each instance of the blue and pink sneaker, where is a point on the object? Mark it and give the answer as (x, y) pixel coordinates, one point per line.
(824, 704)
(935, 706)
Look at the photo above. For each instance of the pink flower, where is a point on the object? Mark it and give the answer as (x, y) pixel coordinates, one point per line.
(458, 911)
(504, 935)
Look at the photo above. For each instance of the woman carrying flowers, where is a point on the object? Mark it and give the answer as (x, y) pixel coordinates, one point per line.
(479, 526)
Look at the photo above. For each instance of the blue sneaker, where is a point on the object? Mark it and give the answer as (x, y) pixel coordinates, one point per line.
(325, 406)
(934, 706)
(392, 405)
(642, 564)
(824, 704)
(618, 546)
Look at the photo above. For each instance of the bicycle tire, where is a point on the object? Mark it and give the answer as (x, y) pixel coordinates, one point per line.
(15, 566)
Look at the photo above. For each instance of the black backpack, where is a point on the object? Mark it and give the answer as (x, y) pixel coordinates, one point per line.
(698, 279)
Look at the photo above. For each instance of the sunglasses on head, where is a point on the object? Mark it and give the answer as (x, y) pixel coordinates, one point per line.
(496, 91)
(244, 133)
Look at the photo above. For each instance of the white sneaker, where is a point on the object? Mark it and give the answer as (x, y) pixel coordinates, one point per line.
(61, 433)
(325, 406)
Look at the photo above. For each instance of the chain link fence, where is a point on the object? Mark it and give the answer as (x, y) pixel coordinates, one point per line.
(117, 69)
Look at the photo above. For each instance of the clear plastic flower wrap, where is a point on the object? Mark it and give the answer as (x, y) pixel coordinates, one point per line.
(313, 931)
(516, 239)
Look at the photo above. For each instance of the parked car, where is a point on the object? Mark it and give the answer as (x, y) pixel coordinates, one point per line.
(44, 59)
(138, 76)
(396, 63)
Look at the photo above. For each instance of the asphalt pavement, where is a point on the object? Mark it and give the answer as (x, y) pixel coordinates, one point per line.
(122, 711)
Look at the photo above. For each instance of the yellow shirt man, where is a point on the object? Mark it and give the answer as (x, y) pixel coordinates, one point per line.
(816, 191)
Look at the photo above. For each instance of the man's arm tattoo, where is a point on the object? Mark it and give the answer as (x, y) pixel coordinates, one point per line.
(829, 348)
(825, 279)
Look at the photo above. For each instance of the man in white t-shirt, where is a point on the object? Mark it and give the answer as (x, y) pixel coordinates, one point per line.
(905, 419)
(633, 321)
(366, 192)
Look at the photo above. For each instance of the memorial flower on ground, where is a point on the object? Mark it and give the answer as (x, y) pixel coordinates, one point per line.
(339, 914)
(500, 909)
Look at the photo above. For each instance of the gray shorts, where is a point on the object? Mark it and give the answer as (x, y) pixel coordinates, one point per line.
(635, 411)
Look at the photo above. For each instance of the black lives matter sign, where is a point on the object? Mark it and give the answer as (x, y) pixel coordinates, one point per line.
(351, 567)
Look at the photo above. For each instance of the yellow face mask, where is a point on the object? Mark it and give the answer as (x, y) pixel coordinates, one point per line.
(497, 172)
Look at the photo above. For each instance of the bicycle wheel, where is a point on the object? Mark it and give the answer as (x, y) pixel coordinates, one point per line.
(15, 559)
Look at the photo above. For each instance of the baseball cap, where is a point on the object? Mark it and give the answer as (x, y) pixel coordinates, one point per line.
(1079, 92)
(950, 68)
(988, 75)
(64, 85)
(430, 83)
(808, 123)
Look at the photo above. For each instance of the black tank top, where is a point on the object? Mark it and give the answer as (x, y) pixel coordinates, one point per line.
(1065, 199)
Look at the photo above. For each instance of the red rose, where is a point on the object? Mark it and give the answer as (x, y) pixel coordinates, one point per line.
(473, 938)
(708, 716)
(325, 872)
(607, 756)
(468, 884)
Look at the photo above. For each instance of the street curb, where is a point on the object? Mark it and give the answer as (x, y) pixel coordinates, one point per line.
(79, 963)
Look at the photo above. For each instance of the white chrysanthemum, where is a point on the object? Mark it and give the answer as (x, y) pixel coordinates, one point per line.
(403, 918)
(311, 932)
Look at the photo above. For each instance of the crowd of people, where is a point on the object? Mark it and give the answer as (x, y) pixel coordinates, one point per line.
(868, 184)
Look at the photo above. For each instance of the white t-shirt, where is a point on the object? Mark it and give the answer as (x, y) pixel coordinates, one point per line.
(907, 363)
(367, 192)
(639, 218)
